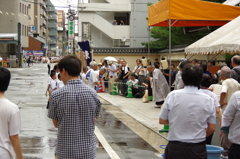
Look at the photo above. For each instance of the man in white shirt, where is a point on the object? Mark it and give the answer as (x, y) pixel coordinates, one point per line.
(191, 117)
(112, 73)
(231, 118)
(229, 86)
(205, 84)
(83, 75)
(10, 123)
(93, 75)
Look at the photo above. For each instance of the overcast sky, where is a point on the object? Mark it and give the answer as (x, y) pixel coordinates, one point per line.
(63, 4)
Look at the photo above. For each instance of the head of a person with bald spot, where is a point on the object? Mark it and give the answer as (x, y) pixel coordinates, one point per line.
(150, 69)
(192, 75)
(235, 61)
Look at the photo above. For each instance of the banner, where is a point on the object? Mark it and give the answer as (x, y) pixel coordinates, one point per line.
(85, 46)
(34, 52)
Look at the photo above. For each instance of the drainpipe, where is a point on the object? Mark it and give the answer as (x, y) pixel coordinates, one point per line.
(134, 23)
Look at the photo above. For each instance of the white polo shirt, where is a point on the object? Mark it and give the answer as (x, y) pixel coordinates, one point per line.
(188, 111)
(10, 125)
(212, 95)
(111, 73)
(94, 77)
(231, 117)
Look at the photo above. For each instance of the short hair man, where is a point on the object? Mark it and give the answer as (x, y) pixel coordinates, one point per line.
(10, 123)
(231, 118)
(125, 72)
(205, 84)
(191, 117)
(92, 75)
(112, 73)
(195, 61)
(235, 74)
(229, 86)
(73, 109)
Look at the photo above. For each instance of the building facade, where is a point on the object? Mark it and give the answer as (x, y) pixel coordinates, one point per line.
(37, 26)
(12, 13)
(96, 22)
(62, 37)
(52, 27)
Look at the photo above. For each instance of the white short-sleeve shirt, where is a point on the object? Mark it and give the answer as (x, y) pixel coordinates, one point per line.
(188, 111)
(212, 95)
(94, 77)
(229, 86)
(10, 125)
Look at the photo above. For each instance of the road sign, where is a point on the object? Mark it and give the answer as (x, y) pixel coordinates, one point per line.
(67, 47)
(71, 30)
(33, 28)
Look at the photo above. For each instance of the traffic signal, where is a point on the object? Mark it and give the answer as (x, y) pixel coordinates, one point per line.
(71, 30)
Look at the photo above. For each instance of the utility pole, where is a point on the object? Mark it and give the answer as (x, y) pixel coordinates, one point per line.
(71, 26)
(19, 45)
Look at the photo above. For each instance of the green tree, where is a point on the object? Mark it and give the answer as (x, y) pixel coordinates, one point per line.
(161, 37)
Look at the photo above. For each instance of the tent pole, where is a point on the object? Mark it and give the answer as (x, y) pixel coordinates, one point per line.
(170, 50)
(207, 59)
(149, 43)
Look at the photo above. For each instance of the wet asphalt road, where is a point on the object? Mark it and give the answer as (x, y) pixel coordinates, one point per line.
(127, 137)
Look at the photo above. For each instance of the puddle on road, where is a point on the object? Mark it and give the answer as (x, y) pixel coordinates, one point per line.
(37, 142)
(123, 120)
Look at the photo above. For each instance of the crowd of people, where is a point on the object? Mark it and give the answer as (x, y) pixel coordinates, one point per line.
(194, 92)
(189, 106)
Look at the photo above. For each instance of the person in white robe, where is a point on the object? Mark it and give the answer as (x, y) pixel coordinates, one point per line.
(159, 85)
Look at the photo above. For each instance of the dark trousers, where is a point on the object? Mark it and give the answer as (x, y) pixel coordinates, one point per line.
(234, 151)
(149, 89)
(141, 80)
(48, 68)
(209, 139)
(181, 150)
(124, 87)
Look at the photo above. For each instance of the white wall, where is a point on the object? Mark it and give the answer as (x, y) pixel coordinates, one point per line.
(138, 22)
(111, 7)
(114, 32)
(109, 16)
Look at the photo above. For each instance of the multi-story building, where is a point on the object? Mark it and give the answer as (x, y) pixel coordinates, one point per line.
(62, 37)
(96, 22)
(13, 12)
(37, 26)
(52, 26)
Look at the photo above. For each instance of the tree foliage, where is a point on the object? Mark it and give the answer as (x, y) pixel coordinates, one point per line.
(161, 35)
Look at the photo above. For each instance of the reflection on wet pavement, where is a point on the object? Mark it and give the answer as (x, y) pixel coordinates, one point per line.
(128, 138)
(123, 120)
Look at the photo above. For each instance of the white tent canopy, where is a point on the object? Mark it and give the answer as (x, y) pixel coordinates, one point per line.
(232, 2)
(226, 39)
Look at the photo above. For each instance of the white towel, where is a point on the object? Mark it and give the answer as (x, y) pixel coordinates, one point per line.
(125, 69)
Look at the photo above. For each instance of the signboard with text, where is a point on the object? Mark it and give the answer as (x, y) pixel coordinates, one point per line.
(34, 52)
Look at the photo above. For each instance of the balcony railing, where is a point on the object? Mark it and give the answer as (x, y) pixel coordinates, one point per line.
(52, 25)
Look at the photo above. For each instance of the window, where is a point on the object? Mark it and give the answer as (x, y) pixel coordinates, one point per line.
(20, 7)
(23, 8)
(25, 30)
